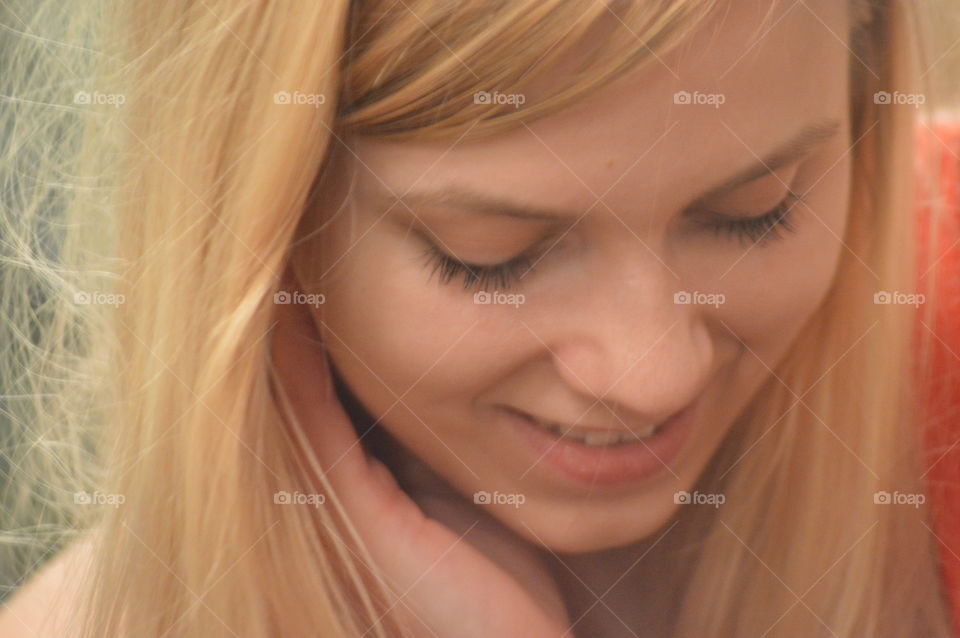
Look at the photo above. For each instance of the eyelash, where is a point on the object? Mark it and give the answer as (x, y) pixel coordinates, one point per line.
(475, 276)
(757, 230)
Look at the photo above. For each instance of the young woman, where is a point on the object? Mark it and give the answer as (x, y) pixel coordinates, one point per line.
(527, 318)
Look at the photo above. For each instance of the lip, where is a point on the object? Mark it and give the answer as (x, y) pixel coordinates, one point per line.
(613, 466)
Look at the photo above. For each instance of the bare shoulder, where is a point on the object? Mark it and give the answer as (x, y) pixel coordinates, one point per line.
(44, 606)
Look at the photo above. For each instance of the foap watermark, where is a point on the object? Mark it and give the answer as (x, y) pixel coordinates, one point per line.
(697, 98)
(82, 298)
(499, 498)
(299, 98)
(695, 298)
(496, 97)
(895, 297)
(98, 498)
(498, 298)
(911, 99)
(899, 498)
(285, 297)
(698, 498)
(96, 97)
(299, 498)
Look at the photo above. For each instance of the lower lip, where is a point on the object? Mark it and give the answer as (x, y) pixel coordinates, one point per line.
(607, 466)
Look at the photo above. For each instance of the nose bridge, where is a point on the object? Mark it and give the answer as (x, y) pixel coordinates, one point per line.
(631, 345)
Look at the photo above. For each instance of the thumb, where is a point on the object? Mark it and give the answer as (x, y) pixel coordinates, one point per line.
(306, 392)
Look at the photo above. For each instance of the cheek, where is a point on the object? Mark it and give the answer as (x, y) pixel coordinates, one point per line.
(775, 289)
(395, 334)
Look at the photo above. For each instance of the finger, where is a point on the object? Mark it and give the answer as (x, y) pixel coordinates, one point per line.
(303, 373)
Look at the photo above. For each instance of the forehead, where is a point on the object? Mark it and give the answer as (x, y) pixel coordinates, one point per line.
(726, 96)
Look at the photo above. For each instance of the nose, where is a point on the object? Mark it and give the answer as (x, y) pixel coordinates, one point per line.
(635, 349)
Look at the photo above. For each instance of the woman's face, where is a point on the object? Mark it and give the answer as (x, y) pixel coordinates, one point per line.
(646, 281)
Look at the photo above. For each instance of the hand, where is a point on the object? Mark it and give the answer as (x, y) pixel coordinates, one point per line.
(443, 581)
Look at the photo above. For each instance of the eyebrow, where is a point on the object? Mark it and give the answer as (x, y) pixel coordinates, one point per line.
(477, 203)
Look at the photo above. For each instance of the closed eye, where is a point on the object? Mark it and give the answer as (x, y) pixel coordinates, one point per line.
(771, 225)
(476, 276)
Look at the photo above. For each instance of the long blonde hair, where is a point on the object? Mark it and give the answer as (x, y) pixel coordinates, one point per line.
(212, 185)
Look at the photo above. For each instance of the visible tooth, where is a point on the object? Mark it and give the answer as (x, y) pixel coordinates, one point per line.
(592, 438)
(600, 438)
(647, 432)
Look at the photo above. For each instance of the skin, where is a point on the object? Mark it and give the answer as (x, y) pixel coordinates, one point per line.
(598, 323)
(598, 340)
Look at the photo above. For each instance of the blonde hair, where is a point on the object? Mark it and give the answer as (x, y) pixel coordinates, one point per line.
(213, 185)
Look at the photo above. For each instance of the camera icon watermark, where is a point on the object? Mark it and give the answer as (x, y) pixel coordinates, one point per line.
(715, 299)
(498, 298)
(88, 98)
(911, 99)
(299, 98)
(299, 498)
(83, 298)
(895, 297)
(698, 498)
(284, 297)
(498, 498)
(899, 498)
(716, 100)
(491, 98)
(98, 498)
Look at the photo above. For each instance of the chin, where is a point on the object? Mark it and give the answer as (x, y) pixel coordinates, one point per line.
(584, 529)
